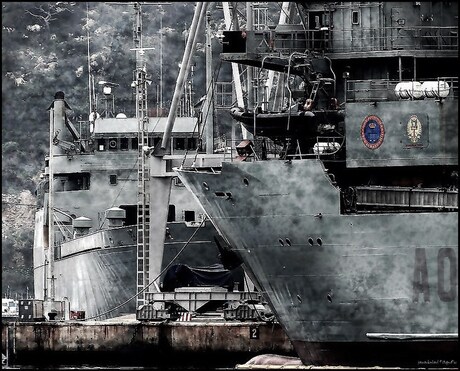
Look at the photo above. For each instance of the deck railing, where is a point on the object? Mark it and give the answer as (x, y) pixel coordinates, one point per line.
(384, 90)
(358, 40)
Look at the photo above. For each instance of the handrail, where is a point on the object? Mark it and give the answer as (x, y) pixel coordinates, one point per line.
(371, 39)
(383, 89)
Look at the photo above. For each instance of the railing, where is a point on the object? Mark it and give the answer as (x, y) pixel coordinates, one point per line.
(358, 40)
(266, 149)
(384, 90)
(391, 38)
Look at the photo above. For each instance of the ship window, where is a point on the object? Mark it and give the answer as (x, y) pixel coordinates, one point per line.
(156, 141)
(310, 241)
(246, 181)
(113, 179)
(113, 144)
(172, 213)
(354, 17)
(280, 240)
(189, 215)
(288, 241)
(317, 24)
(124, 145)
(72, 182)
(179, 143)
(134, 143)
(191, 143)
(320, 241)
(101, 145)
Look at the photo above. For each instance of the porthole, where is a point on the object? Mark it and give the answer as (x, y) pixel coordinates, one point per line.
(288, 241)
(280, 240)
(246, 181)
(310, 241)
(319, 241)
(299, 298)
(205, 186)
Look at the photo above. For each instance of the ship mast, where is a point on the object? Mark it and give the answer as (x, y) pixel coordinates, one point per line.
(209, 104)
(198, 17)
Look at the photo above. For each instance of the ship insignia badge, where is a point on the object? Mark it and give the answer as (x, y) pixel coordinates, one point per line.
(372, 132)
(414, 129)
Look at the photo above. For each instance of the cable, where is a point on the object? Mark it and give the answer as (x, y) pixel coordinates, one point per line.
(159, 275)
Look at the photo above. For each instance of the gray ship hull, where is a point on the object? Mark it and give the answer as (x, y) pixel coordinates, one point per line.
(101, 281)
(383, 285)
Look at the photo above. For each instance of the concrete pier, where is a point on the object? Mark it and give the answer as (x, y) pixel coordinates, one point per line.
(219, 344)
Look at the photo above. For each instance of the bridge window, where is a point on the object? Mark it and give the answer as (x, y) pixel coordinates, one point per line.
(124, 144)
(113, 179)
(179, 143)
(191, 143)
(113, 144)
(101, 144)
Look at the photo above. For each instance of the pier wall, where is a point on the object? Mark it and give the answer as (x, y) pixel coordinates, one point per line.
(141, 344)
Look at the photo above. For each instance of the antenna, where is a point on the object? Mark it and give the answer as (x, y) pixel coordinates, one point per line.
(90, 85)
(140, 51)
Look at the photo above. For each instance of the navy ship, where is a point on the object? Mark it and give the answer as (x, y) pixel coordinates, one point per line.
(94, 203)
(108, 224)
(343, 205)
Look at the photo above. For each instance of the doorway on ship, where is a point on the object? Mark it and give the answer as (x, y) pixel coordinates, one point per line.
(131, 214)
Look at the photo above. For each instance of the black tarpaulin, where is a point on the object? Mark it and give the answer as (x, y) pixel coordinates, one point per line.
(181, 275)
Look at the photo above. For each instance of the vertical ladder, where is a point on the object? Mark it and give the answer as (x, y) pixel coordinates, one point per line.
(143, 191)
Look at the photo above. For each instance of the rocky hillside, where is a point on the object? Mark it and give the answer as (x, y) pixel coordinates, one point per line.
(17, 243)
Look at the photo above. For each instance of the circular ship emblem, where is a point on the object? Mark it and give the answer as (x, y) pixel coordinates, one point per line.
(414, 129)
(372, 132)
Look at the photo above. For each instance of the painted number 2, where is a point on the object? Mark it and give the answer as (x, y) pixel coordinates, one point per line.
(253, 332)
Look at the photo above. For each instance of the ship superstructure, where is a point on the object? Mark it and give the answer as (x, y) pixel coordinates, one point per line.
(344, 204)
